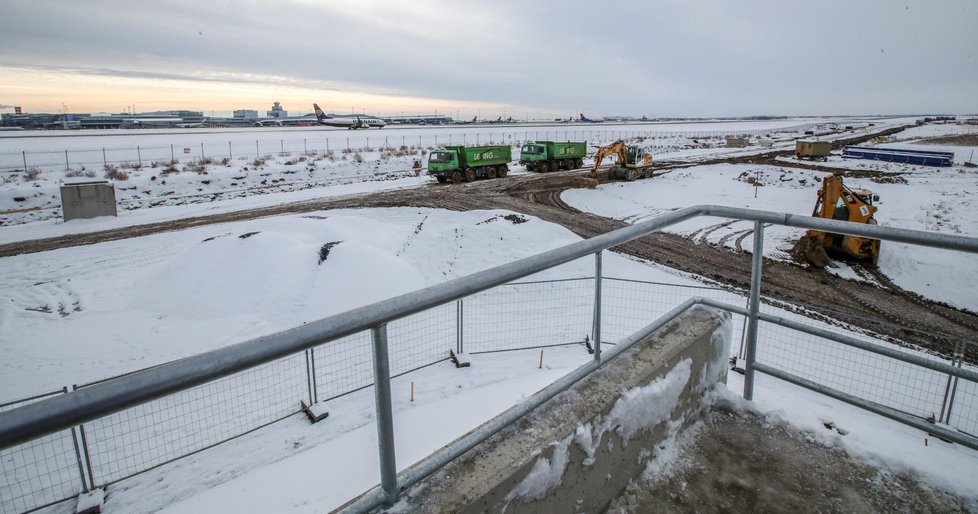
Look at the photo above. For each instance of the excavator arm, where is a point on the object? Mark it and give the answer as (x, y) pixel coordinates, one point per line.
(617, 148)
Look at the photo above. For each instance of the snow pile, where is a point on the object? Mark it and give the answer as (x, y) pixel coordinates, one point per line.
(545, 475)
(644, 407)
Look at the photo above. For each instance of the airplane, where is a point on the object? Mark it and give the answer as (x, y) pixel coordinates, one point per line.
(585, 119)
(350, 123)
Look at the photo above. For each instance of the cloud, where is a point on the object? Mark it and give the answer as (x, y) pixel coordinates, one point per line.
(657, 57)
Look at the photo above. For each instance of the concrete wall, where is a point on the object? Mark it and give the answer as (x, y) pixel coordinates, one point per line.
(83, 200)
(578, 451)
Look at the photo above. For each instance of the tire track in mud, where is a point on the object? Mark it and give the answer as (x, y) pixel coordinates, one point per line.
(846, 302)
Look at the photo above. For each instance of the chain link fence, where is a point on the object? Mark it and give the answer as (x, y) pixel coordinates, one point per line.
(232, 146)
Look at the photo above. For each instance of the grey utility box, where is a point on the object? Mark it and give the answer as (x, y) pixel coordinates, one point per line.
(87, 200)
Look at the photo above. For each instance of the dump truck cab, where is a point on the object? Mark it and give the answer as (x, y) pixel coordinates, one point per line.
(533, 152)
(442, 160)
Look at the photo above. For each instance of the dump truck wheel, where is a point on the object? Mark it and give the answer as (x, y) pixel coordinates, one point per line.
(490, 172)
(544, 167)
(578, 163)
(442, 179)
(503, 171)
(470, 175)
(456, 177)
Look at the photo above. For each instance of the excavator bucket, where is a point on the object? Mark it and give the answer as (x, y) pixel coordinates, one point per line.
(811, 250)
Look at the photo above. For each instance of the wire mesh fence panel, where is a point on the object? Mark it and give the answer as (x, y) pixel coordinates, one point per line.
(421, 339)
(528, 315)
(343, 366)
(137, 439)
(629, 305)
(962, 412)
(39, 472)
(902, 386)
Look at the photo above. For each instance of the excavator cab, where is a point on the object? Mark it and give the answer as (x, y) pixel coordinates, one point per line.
(635, 155)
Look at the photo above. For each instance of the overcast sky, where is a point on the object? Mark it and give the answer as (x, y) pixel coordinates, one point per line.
(536, 59)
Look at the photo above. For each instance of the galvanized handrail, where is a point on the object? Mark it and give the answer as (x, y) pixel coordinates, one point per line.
(61, 412)
(64, 411)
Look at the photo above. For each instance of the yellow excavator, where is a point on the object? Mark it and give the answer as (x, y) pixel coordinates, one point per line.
(838, 202)
(633, 163)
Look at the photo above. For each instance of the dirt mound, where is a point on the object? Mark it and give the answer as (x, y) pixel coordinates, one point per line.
(961, 140)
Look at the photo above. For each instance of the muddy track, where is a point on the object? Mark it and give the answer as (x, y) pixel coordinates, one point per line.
(848, 302)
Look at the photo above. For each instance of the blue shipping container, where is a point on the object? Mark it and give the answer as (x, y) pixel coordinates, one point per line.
(920, 157)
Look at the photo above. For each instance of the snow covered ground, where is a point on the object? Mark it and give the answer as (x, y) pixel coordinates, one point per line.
(85, 313)
(916, 197)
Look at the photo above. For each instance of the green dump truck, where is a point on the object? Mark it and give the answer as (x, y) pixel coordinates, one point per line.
(457, 163)
(544, 156)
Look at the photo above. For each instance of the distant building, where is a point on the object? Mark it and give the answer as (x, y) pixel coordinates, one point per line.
(247, 114)
(277, 111)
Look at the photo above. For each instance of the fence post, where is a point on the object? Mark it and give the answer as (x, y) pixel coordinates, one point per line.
(105, 161)
(753, 309)
(305, 149)
(84, 442)
(202, 152)
(67, 167)
(327, 145)
(385, 421)
(139, 157)
(347, 143)
(78, 458)
(368, 142)
(230, 155)
(172, 158)
(459, 316)
(281, 147)
(950, 391)
(257, 152)
(596, 320)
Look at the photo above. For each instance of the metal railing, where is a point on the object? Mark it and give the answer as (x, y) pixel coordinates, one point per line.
(394, 318)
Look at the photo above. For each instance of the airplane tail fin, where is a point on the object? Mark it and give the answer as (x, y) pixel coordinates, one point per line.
(320, 115)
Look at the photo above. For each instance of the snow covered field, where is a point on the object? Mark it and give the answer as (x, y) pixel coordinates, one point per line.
(916, 197)
(86, 313)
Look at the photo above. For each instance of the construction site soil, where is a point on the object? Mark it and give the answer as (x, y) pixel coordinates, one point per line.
(737, 461)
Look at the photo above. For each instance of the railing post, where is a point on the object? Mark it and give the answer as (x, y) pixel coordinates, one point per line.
(459, 316)
(78, 457)
(753, 308)
(385, 418)
(84, 445)
(596, 321)
(952, 384)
